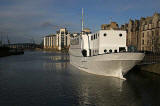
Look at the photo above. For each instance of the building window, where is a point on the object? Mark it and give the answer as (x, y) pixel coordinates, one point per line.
(143, 35)
(105, 34)
(94, 36)
(120, 35)
(58, 40)
(142, 42)
(62, 32)
(152, 33)
(66, 41)
(115, 51)
(110, 51)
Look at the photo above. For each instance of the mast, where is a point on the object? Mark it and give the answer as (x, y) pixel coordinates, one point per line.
(110, 20)
(82, 21)
(8, 39)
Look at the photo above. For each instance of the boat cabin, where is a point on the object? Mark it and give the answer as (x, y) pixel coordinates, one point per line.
(103, 41)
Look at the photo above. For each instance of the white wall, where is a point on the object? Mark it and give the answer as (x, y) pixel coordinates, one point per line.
(94, 44)
(112, 40)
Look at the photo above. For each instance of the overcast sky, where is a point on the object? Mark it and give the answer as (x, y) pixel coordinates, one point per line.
(23, 20)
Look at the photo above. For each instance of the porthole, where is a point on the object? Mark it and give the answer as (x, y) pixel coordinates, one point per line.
(120, 35)
(115, 51)
(105, 34)
(105, 51)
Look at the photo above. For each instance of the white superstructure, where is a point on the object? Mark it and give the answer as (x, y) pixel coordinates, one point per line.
(104, 41)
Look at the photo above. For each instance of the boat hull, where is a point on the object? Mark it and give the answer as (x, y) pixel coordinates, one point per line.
(114, 64)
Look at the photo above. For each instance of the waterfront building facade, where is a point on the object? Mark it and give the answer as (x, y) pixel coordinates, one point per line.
(58, 41)
(144, 34)
(112, 25)
(63, 39)
(50, 41)
(87, 31)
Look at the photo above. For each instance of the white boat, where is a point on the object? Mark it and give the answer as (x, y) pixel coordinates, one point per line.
(103, 53)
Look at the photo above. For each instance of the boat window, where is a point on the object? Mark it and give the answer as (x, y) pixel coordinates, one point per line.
(120, 35)
(105, 34)
(122, 49)
(91, 37)
(115, 51)
(105, 51)
(110, 51)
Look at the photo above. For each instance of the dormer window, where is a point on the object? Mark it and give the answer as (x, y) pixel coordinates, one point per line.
(120, 35)
(105, 34)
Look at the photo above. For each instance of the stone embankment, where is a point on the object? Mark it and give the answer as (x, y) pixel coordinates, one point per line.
(155, 68)
(151, 63)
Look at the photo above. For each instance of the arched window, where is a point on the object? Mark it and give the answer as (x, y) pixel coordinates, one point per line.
(105, 34)
(110, 51)
(115, 51)
(120, 35)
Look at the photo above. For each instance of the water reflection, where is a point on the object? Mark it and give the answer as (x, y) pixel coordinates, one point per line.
(47, 79)
(56, 63)
(99, 92)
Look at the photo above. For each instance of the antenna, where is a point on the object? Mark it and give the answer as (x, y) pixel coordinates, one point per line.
(1, 33)
(82, 21)
(110, 19)
(8, 39)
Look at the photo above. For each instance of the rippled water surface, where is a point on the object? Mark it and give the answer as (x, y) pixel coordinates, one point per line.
(47, 79)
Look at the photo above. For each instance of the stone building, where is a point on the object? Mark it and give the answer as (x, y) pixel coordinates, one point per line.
(87, 30)
(150, 33)
(144, 34)
(132, 33)
(59, 41)
(112, 25)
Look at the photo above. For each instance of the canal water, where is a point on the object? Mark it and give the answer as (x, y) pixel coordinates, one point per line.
(40, 78)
